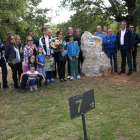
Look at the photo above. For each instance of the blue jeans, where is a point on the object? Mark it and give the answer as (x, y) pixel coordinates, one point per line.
(42, 70)
(33, 81)
(113, 53)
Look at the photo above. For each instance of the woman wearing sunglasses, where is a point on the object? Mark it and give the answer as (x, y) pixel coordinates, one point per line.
(29, 49)
(12, 56)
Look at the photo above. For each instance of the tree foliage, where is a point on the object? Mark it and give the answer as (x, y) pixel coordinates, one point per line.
(17, 17)
(116, 9)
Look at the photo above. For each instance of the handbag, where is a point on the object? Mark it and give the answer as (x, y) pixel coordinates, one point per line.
(15, 61)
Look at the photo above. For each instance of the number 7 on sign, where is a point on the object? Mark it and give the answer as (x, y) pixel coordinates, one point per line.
(79, 102)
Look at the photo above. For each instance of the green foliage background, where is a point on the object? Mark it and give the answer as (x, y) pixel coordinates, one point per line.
(18, 17)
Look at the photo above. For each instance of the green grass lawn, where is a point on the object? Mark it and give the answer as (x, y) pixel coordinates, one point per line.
(45, 115)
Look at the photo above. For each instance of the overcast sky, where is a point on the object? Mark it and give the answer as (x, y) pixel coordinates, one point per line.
(53, 4)
(64, 15)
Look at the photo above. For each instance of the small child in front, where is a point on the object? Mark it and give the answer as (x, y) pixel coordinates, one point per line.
(41, 61)
(73, 54)
(32, 77)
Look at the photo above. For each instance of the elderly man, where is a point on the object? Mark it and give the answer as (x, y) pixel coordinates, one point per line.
(36, 42)
(70, 31)
(101, 35)
(136, 41)
(125, 42)
(110, 42)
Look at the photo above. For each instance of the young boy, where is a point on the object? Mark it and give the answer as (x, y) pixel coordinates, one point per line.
(32, 77)
(73, 54)
(45, 44)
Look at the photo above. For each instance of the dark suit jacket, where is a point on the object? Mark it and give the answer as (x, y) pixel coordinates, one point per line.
(128, 40)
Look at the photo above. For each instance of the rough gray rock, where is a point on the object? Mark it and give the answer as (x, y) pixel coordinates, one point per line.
(96, 63)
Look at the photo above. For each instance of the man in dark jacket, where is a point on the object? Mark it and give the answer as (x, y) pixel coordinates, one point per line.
(125, 44)
(36, 42)
(81, 59)
(3, 65)
(136, 41)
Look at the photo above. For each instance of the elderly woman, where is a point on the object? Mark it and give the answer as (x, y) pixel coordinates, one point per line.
(29, 49)
(31, 61)
(12, 56)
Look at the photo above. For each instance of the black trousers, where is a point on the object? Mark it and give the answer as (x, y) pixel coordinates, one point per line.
(80, 61)
(4, 72)
(134, 55)
(61, 69)
(25, 78)
(17, 68)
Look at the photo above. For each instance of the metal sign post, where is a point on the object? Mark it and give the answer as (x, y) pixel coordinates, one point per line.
(80, 104)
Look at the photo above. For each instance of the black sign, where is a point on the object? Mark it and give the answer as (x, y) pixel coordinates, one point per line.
(81, 103)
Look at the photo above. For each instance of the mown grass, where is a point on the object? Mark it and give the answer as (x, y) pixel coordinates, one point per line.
(44, 115)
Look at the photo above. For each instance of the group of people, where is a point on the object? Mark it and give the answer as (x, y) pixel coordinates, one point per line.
(126, 41)
(28, 62)
(36, 53)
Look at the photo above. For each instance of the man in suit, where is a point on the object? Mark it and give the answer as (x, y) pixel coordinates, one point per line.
(125, 43)
(136, 41)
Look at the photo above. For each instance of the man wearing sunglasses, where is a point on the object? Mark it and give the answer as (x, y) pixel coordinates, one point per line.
(134, 53)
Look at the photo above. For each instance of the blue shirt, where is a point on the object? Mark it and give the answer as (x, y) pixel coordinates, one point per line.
(100, 35)
(73, 49)
(41, 59)
(110, 41)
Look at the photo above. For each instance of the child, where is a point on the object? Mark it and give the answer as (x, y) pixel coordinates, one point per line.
(41, 61)
(45, 44)
(73, 54)
(32, 77)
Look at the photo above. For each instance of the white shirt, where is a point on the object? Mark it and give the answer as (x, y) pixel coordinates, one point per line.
(29, 72)
(122, 36)
(17, 53)
(46, 43)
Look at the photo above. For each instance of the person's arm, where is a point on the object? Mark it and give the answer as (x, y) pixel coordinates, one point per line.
(42, 76)
(107, 41)
(2, 46)
(21, 76)
(45, 61)
(77, 50)
(7, 51)
(137, 40)
(131, 39)
(117, 41)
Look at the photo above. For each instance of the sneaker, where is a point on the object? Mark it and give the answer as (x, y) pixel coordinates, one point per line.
(78, 77)
(71, 78)
(35, 87)
(68, 77)
(22, 91)
(31, 88)
(48, 81)
(52, 80)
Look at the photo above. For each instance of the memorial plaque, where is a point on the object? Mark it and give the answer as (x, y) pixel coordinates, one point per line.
(91, 42)
(81, 103)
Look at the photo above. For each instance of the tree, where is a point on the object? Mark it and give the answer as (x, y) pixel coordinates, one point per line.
(17, 17)
(117, 9)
